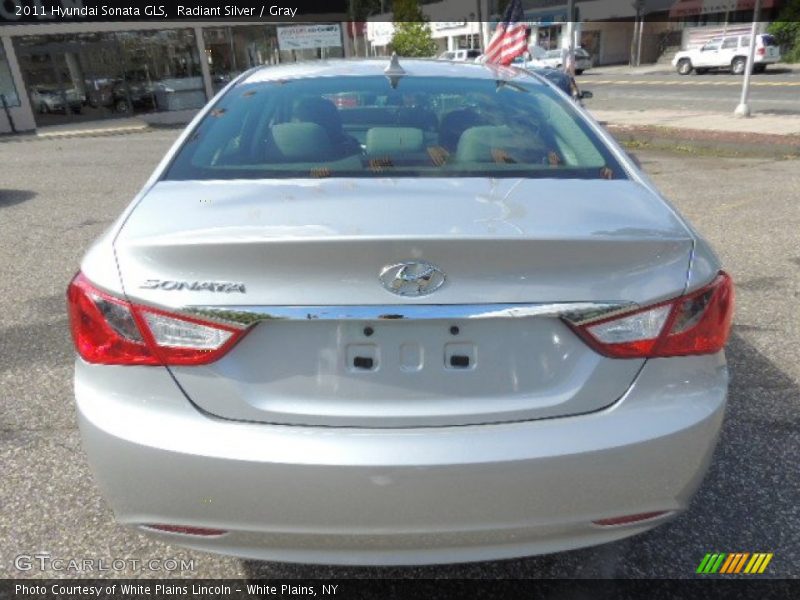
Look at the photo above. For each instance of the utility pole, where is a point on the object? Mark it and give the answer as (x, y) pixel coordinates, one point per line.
(569, 63)
(486, 13)
(639, 43)
(638, 25)
(743, 110)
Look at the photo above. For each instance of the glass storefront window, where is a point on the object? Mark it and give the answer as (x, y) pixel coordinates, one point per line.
(7, 88)
(231, 50)
(88, 76)
(162, 70)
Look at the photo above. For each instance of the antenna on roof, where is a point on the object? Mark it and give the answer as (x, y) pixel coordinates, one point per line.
(394, 71)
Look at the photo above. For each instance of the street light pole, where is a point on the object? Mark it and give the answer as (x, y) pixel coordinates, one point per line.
(636, 42)
(569, 63)
(487, 11)
(743, 110)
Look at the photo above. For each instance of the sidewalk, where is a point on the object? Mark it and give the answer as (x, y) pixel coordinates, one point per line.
(762, 124)
(723, 134)
(623, 70)
(102, 127)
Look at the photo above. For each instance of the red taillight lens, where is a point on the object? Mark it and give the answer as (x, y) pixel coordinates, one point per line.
(110, 331)
(697, 323)
(761, 51)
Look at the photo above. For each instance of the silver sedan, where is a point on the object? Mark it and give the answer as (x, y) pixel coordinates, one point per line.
(389, 313)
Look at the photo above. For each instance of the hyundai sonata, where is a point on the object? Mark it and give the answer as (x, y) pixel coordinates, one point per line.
(413, 312)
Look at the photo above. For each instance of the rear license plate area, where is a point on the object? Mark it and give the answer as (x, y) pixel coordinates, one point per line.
(408, 347)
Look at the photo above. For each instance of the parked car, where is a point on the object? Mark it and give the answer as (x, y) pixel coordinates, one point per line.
(728, 53)
(100, 92)
(565, 82)
(136, 91)
(47, 99)
(455, 323)
(554, 59)
(462, 55)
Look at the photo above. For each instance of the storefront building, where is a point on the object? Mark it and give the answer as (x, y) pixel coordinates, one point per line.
(53, 74)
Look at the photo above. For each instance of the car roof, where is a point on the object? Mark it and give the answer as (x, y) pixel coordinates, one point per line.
(376, 66)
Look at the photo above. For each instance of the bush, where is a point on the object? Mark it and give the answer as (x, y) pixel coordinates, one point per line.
(413, 39)
(787, 31)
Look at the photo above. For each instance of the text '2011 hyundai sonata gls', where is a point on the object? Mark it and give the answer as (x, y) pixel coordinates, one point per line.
(428, 312)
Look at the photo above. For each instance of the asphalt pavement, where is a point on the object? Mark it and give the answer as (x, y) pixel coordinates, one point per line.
(57, 195)
(776, 91)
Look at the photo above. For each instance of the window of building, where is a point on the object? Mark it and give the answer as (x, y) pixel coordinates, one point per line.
(87, 76)
(7, 88)
(232, 50)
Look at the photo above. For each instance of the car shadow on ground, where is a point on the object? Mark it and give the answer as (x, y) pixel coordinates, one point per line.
(12, 197)
(738, 508)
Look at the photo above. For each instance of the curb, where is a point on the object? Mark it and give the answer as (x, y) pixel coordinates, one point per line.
(717, 143)
(93, 132)
(77, 133)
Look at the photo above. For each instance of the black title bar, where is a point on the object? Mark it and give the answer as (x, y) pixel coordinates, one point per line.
(453, 12)
(716, 588)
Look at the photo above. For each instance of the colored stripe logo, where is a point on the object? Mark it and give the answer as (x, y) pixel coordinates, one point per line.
(735, 562)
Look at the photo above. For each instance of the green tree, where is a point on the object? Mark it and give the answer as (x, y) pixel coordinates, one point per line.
(412, 36)
(787, 30)
(406, 11)
(413, 39)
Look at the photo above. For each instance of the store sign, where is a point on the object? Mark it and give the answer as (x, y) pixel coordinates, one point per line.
(444, 25)
(302, 37)
(380, 33)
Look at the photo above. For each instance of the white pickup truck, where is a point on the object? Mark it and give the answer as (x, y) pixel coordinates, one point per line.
(728, 52)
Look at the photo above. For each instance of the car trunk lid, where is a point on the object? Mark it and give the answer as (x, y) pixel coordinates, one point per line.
(318, 247)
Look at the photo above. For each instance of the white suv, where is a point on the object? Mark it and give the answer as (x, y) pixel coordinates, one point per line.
(728, 53)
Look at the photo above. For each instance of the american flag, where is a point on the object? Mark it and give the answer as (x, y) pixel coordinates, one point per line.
(510, 39)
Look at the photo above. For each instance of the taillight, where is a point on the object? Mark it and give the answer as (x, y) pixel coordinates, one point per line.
(111, 331)
(761, 51)
(697, 323)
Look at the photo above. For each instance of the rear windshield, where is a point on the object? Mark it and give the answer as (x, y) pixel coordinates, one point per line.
(768, 40)
(365, 127)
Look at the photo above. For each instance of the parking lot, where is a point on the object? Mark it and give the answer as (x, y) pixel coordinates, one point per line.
(57, 195)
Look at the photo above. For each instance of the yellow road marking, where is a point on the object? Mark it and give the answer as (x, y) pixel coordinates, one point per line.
(737, 83)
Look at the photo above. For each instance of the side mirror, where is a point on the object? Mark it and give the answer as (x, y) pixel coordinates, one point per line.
(586, 94)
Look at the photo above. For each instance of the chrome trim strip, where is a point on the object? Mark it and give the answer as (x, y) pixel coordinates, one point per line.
(575, 312)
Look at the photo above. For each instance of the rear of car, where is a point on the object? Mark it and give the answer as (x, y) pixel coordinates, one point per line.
(767, 49)
(583, 61)
(445, 320)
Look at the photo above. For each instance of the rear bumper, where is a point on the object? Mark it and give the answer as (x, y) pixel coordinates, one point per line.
(395, 496)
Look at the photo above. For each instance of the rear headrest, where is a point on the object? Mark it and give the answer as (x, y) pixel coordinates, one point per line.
(477, 143)
(394, 140)
(320, 111)
(301, 142)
